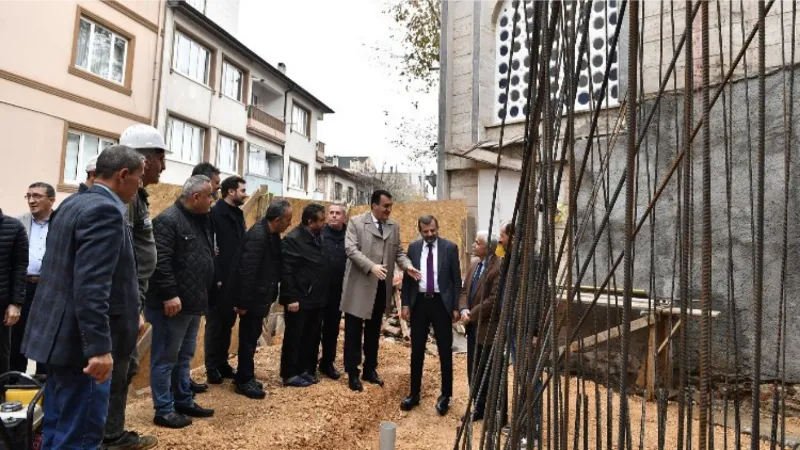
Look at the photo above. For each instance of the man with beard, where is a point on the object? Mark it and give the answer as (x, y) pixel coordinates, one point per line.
(333, 239)
(303, 294)
(254, 282)
(431, 300)
(372, 244)
(229, 228)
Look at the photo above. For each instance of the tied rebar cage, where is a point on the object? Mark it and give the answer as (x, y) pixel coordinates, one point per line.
(648, 311)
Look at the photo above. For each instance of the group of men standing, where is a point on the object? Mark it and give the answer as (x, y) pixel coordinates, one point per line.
(86, 277)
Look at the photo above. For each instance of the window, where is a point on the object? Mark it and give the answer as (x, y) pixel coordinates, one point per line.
(298, 175)
(186, 141)
(199, 5)
(81, 147)
(231, 81)
(227, 154)
(337, 191)
(300, 121)
(350, 194)
(101, 52)
(602, 26)
(190, 58)
(262, 163)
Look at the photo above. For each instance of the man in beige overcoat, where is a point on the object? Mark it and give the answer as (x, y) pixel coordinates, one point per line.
(373, 246)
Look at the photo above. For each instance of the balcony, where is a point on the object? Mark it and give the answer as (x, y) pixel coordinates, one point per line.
(266, 126)
(320, 152)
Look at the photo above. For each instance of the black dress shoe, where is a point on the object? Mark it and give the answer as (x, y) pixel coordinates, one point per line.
(251, 389)
(213, 376)
(227, 372)
(172, 420)
(296, 381)
(310, 377)
(197, 388)
(194, 410)
(330, 372)
(372, 377)
(443, 405)
(355, 384)
(409, 402)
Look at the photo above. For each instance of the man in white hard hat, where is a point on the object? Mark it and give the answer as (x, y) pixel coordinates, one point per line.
(150, 144)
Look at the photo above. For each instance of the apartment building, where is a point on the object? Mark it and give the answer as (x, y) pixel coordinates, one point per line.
(73, 76)
(221, 102)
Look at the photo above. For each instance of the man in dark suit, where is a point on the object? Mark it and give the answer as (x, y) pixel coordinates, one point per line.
(433, 299)
(13, 267)
(229, 229)
(87, 289)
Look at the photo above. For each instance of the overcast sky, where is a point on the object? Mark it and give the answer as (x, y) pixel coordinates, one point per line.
(329, 49)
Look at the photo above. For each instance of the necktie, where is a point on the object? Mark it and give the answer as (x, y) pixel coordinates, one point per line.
(429, 271)
(318, 240)
(380, 227)
(474, 284)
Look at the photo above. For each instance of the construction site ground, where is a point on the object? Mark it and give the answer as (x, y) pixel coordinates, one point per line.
(331, 417)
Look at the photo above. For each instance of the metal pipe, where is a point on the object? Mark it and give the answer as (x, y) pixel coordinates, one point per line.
(388, 435)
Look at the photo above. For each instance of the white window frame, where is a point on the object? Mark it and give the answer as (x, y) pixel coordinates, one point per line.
(303, 126)
(176, 58)
(195, 155)
(229, 72)
(235, 147)
(90, 55)
(199, 5)
(80, 172)
(351, 194)
(337, 195)
(303, 186)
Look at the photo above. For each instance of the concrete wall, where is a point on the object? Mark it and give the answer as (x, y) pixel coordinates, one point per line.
(665, 231)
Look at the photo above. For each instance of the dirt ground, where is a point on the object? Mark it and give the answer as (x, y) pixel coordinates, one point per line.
(329, 416)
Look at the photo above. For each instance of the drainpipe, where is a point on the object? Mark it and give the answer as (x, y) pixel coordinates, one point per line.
(284, 182)
(155, 100)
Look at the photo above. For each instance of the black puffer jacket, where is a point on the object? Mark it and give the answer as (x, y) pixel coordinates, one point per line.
(337, 258)
(13, 261)
(305, 270)
(256, 271)
(185, 265)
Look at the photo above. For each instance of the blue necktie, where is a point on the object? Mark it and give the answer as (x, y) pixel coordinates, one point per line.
(474, 285)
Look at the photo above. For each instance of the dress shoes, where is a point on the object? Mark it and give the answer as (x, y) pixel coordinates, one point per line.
(194, 410)
(217, 376)
(443, 405)
(354, 383)
(372, 377)
(197, 388)
(310, 377)
(296, 381)
(330, 371)
(173, 420)
(409, 402)
(251, 389)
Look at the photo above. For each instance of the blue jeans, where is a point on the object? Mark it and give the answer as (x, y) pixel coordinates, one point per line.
(75, 409)
(172, 350)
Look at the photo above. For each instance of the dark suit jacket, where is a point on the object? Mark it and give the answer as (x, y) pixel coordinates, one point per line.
(481, 309)
(448, 271)
(305, 270)
(87, 287)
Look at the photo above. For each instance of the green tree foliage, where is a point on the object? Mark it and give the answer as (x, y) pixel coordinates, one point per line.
(419, 27)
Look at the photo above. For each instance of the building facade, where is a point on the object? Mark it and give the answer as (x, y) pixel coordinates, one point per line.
(74, 78)
(221, 102)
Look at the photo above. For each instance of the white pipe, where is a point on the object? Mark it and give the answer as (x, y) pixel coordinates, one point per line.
(388, 435)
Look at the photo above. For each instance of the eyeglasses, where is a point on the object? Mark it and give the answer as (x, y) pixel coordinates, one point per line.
(34, 196)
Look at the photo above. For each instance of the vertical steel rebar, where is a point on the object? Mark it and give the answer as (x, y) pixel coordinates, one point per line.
(705, 282)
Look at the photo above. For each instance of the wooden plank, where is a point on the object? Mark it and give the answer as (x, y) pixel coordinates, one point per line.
(611, 333)
(671, 333)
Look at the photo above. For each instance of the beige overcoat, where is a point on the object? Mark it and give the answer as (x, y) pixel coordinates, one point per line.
(365, 247)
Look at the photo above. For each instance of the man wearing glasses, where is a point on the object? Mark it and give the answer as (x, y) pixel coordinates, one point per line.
(40, 197)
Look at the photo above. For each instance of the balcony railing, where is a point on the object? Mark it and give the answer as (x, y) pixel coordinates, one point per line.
(266, 119)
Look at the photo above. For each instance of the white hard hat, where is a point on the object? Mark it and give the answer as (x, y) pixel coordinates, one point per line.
(142, 136)
(92, 165)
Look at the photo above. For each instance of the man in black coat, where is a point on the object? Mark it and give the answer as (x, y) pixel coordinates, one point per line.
(13, 267)
(177, 298)
(229, 228)
(87, 303)
(304, 289)
(432, 300)
(333, 240)
(254, 280)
